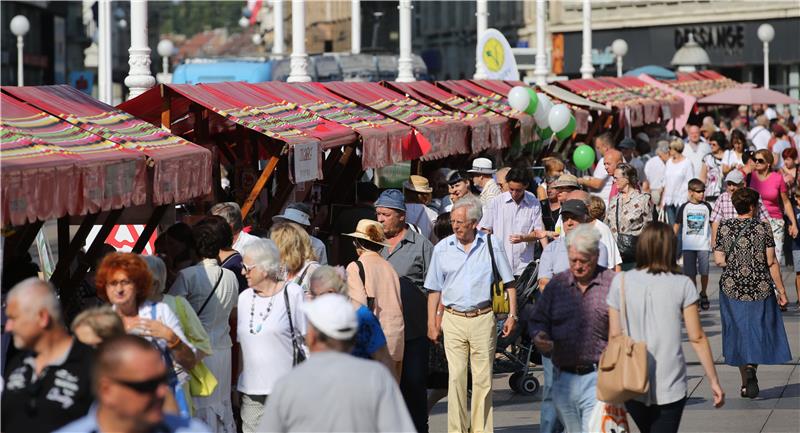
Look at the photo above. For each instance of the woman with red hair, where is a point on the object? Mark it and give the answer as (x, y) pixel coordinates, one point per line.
(124, 280)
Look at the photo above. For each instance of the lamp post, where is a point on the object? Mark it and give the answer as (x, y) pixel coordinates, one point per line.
(405, 67)
(277, 24)
(482, 15)
(540, 71)
(165, 49)
(587, 70)
(766, 33)
(139, 78)
(105, 84)
(355, 27)
(298, 64)
(619, 47)
(19, 27)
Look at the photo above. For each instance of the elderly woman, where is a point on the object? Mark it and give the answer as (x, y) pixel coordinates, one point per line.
(212, 290)
(270, 316)
(124, 280)
(373, 282)
(297, 254)
(628, 212)
(677, 174)
(752, 327)
(370, 343)
(657, 286)
(770, 185)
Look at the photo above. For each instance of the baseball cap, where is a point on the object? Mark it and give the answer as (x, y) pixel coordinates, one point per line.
(574, 207)
(332, 314)
(735, 176)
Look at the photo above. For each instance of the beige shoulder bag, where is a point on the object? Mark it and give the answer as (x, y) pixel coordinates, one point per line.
(622, 371)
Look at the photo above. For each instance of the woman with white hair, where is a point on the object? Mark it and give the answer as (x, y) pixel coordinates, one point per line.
(269, 318)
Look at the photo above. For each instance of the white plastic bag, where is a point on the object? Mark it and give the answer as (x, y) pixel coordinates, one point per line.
(609, 418)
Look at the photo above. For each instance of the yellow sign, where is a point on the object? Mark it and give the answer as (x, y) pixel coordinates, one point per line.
(493, 55)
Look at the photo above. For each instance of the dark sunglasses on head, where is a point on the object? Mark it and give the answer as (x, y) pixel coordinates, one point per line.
(145, 386)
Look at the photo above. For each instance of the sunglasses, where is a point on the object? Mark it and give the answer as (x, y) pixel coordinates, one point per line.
(143, 387)
(760, 160)
(247, 269)
(569, 216)
(698, 190)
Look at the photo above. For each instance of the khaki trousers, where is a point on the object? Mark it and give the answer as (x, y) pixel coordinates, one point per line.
(470, 340)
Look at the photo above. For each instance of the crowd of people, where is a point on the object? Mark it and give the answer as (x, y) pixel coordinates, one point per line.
(228, 329)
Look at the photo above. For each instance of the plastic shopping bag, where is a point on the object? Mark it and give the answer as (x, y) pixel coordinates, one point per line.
(609, 418)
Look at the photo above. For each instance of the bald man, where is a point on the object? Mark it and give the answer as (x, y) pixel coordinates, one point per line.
(49, 382)
(606, 236)
(130, 384)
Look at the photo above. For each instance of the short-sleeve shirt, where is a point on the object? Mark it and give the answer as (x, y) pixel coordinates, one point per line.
(654, 305)
(369, 337)
(746, 275)
(695, 222)
(654, 172)
(601, 173)
(770, 191)
(505, 217)
(62, 392)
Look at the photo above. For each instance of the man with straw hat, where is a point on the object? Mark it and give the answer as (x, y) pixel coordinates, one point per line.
(374, 282)
(482, 172)
(417, 195)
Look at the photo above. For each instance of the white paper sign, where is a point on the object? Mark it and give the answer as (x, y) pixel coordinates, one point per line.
(306, 162)
(494, 53)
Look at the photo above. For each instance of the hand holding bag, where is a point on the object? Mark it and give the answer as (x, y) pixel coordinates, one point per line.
(500, 303)
(622, 372)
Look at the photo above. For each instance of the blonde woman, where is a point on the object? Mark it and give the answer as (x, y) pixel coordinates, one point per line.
(297, 254)
(97, 324)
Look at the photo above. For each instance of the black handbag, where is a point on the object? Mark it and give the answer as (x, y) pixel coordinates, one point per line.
(625, 243)
(298, 354)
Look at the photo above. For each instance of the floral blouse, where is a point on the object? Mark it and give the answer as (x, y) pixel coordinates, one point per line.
(634, 213)
(745, 276)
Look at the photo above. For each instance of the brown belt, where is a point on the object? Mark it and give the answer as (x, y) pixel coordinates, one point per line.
(471, 313)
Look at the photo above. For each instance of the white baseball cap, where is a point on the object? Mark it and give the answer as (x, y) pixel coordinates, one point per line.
(333, 315)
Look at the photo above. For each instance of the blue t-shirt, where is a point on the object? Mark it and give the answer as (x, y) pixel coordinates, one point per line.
(369, 337)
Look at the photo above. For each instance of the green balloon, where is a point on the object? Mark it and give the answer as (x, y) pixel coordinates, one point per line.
(546, 133)
(534, 101)
(568, 130)
(583, 157)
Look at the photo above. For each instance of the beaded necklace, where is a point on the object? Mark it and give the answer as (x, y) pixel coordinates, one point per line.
(263, 315)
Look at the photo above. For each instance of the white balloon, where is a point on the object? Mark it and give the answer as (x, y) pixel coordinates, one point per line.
(518, 98)
(543, 110)
(558, 117)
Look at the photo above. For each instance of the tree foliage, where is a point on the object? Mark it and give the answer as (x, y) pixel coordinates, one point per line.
(192, 17)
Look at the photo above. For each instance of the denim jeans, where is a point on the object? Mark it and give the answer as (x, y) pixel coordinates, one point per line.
(574, 397)
(413, 381)
(548, 418)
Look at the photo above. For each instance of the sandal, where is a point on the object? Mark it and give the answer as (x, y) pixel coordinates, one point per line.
(704, 303)
(751, 386)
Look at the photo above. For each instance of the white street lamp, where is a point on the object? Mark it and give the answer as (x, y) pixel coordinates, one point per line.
(355, 26)
(540, 71)
(298, 61)
(244, 22)
(139, 78)
(482, 16)
(587, 70)
(277, 24)
(766, 33)
(165, 49)
(405, 64)
(619, 47)
(19, 27)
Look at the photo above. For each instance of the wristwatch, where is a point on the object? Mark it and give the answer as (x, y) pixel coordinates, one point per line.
(513, 316)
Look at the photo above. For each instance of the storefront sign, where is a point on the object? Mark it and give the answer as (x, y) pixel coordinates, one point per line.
(728, 37)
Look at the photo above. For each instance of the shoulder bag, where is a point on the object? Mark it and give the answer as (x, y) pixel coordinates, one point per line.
(622, 371)
(211, 293)
(298, 354)
(500, 304)
(625, 242)
(363, 275)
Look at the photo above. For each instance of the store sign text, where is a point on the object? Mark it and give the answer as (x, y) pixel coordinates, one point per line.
(728, 37)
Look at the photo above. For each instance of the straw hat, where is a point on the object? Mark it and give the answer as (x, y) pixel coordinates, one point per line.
(371, 231)
(418, 184)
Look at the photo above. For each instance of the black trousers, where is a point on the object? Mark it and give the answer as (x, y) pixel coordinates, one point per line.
(665, 418)
(414, 379)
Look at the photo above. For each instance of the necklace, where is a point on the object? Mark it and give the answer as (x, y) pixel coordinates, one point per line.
(263, 315)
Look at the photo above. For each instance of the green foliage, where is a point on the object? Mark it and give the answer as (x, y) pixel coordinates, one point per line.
(192, 17)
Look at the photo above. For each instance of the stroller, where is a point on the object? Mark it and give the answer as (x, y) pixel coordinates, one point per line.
(517, 348)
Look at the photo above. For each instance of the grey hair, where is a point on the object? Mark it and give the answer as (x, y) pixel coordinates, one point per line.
(159, 272)
(264, 253)
(585, 239)
(662, 146)
(473, 205)
(330, 278)
(34, 295)
(230, 212)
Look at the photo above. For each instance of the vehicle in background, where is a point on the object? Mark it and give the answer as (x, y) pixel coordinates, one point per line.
(218, 70)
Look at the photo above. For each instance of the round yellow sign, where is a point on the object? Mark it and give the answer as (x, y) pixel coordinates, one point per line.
(493, 55)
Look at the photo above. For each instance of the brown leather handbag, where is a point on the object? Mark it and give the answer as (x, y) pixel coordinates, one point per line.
(622, 372)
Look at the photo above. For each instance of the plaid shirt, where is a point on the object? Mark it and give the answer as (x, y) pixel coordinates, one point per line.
(723, 209)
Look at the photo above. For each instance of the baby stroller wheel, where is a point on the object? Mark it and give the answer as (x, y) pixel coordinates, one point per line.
(513, 381)
(527, 385)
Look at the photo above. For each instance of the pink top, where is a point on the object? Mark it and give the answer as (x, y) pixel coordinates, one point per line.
(383, 284)
(770, 191)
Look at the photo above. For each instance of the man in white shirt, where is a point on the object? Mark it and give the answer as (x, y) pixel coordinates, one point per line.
(695, 147)
(600, 182)
(606, 237)
(654, 171)
(232, 213)
(760, 134)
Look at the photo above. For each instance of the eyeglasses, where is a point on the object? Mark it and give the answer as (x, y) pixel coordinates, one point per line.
(145, 386)
(247, 269)
(760, 160)
(116, 283)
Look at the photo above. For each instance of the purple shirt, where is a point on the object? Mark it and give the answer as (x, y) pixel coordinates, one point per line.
(505, 218)
(576, 322)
